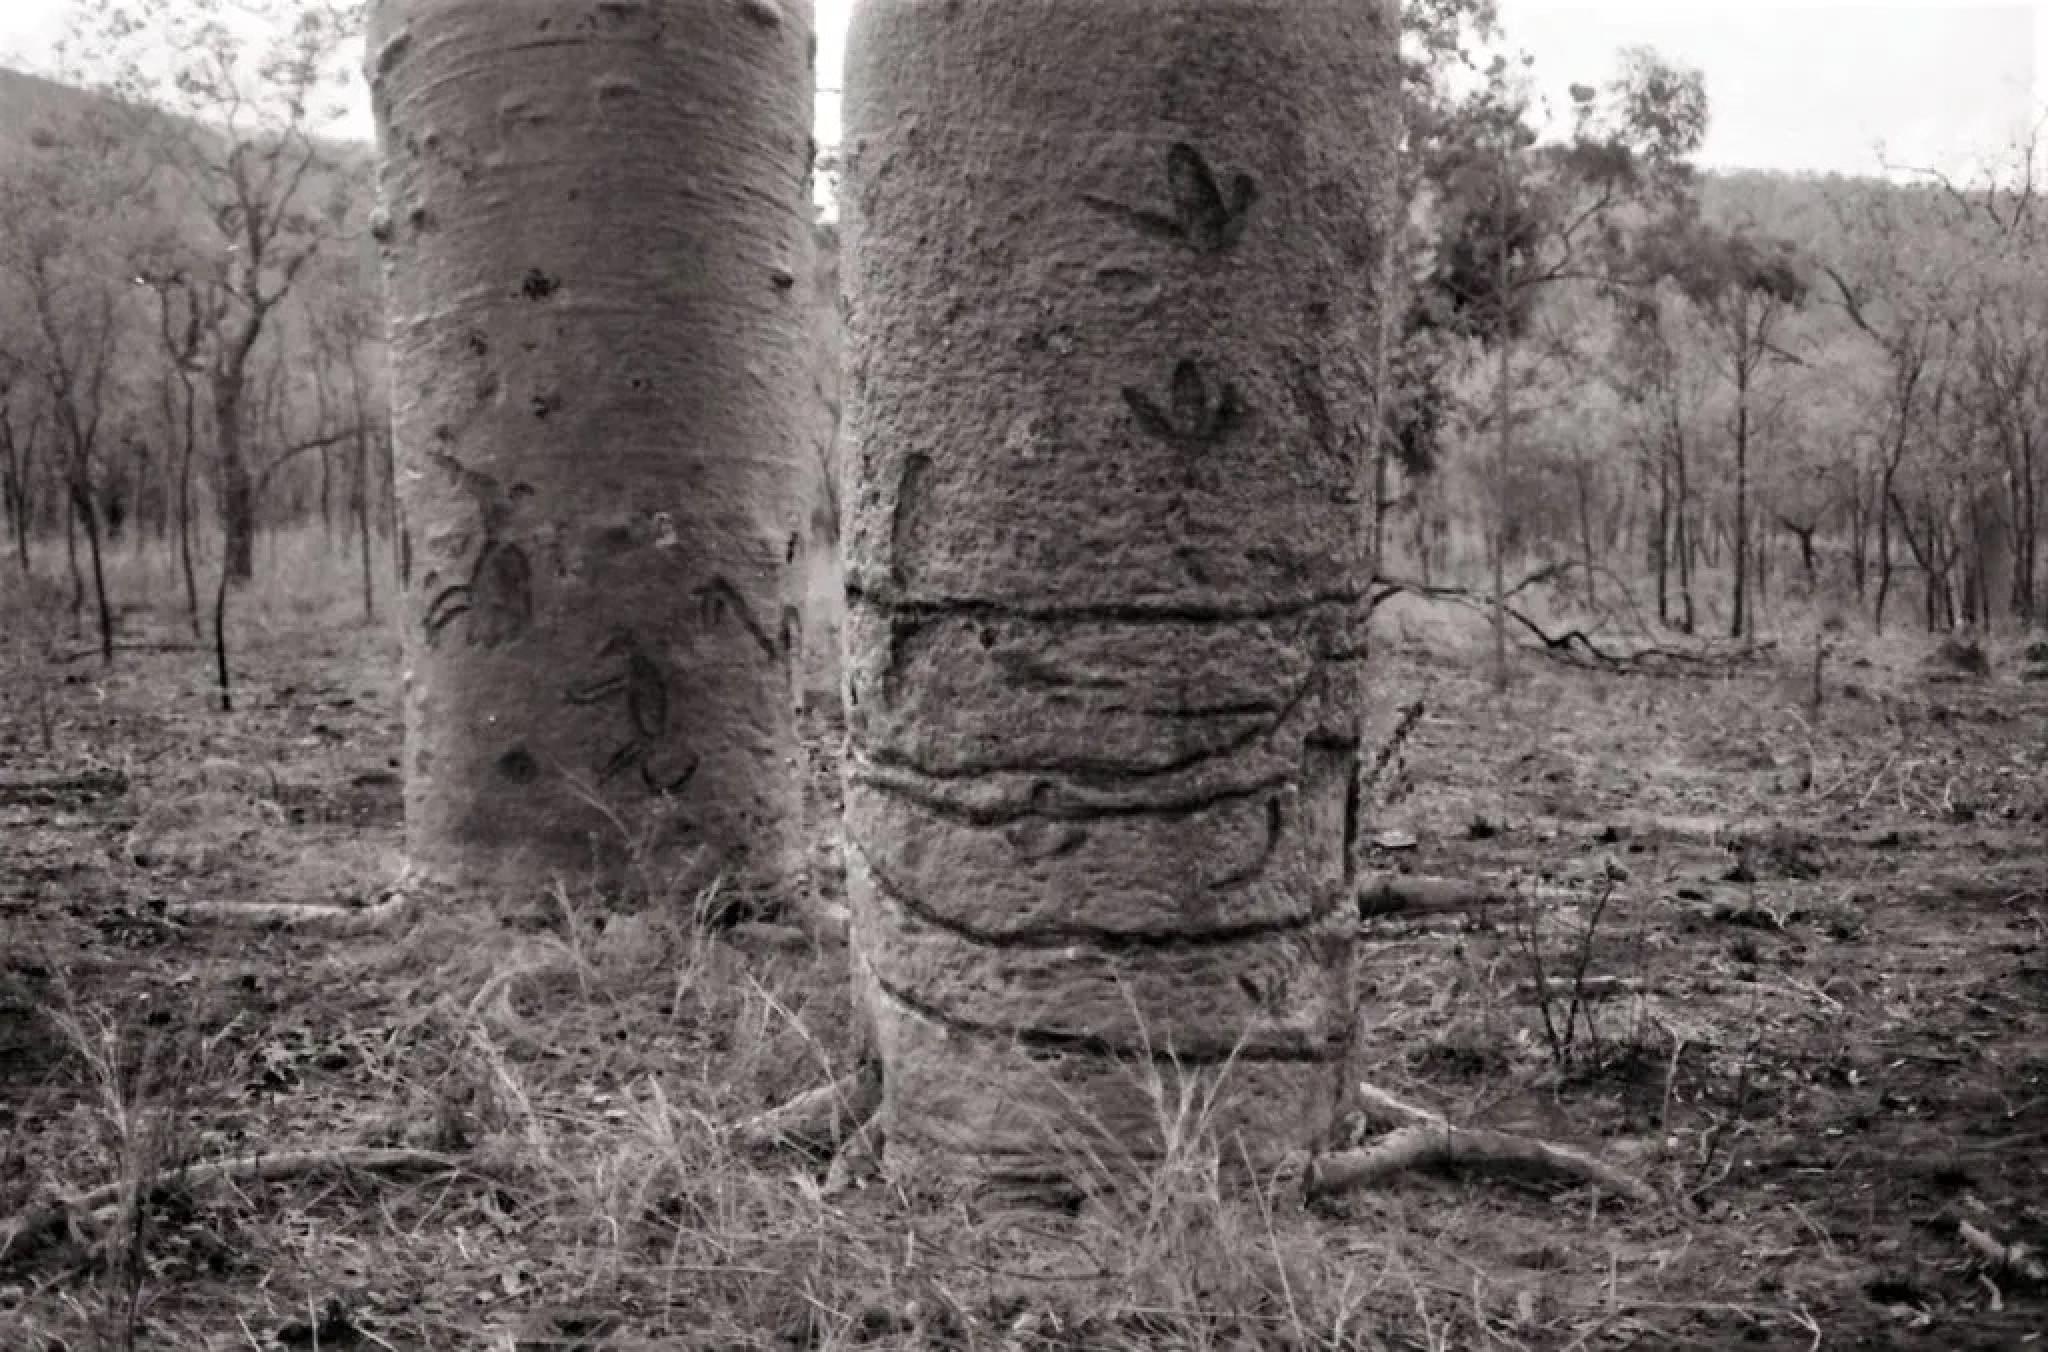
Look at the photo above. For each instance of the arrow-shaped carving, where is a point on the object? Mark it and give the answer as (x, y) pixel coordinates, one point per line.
(1207, 216)
(1197, 416)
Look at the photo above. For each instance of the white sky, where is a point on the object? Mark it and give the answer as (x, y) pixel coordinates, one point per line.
(1794, 84)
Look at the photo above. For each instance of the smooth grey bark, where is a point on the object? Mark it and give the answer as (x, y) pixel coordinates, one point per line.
(594, 220)
(1112, 274)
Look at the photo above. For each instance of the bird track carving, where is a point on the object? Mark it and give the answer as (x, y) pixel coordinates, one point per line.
(1208, 215)
(641, 687)
(718, 600)
(498, 595)
(1198, 416)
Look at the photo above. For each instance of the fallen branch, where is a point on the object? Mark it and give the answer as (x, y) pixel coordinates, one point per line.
(1411, 718)
(46, 792)
(858, 1160)
(491, 1011)
(80, 1212)
(756, 936)
(1425, 1139)
(2005, 1258)
(1585, 988)
(818, 1120)
(1419, 896)
(1409, 894)
(68, 659)
(334, 922)
(1387, 588)
(1574, 646)
(1376, 1105)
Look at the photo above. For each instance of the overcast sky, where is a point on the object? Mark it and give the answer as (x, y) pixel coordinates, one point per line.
(1795, 84)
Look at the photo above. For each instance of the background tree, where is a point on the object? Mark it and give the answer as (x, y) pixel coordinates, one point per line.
(1516, 216)
(2003, 353)
(185, 314)
(60, 238)
(1905, 308)
(230, 98)
(1661, 381)
(600, 361)
(22, 422)
(1742, 287)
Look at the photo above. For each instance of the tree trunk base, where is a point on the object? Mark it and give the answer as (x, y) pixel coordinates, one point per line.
(840, 1121)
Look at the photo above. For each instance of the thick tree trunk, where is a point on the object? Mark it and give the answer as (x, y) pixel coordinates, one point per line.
(2026, 537)
(1859, 539)
(1884, 557)
(1809, 567)
(594, 223)
(1503, 451)
(237, 485)
(1738, 620)
(1582, 475)
(1760, 602)
(17, 526)
(1660, 545)
(1685, 544)
(1991, 553)
(71, 557)
(188, 443)
(19, 454)
(360, 495)
(359, 507)
(1106, 576)
(82, 505)
(326, 496)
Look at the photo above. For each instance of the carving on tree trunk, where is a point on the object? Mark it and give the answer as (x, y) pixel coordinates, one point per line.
(1205, 216)
(497, 596)
(1107, 591)
(640, 688)
(590, 212)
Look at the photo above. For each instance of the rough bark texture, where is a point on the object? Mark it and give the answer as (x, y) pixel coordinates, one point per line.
(1110, 270)
(596, 243)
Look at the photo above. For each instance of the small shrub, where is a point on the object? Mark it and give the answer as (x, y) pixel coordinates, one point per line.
(1964, 653)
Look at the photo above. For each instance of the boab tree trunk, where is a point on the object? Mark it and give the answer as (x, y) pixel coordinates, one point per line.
(1110, 272)
(595, 225)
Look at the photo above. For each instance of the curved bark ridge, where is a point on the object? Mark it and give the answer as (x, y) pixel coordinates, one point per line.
(592, 217)
(1078, 894)
(1106, 616)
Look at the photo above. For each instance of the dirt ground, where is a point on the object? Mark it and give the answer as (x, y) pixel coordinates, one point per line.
(1810, 951)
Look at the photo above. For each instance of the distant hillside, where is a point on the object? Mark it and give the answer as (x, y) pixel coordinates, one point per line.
(30, 103)
(40, 116)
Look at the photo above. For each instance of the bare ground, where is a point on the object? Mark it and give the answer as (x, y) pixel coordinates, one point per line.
(1813, 1013)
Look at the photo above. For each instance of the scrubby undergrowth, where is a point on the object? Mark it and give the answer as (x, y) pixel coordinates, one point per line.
(1790, 966)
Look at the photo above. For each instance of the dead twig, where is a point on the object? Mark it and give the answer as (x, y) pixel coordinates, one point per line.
(2015, 1259)
(70, 659)
(82, 1211)
(1574, 646)
(1425, 1139)
(48, 792)
(1585, 989)
(818, 1120)
(1420, 896)
(334, 922)
(1407, 894)
(1369, 781)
